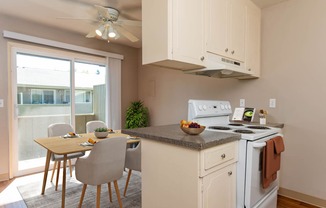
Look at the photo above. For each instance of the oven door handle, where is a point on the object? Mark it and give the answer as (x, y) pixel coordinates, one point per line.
(259, 145)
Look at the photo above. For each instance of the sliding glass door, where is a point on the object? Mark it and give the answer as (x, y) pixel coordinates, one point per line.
(49, 89)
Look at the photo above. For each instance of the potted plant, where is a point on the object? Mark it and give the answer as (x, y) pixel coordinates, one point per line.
(101, 132)
(137, 115)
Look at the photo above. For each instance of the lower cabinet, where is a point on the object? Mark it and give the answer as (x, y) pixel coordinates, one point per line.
(219, 188)
(174, 176)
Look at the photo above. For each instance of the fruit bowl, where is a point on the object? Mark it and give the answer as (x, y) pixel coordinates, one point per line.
(193, 131)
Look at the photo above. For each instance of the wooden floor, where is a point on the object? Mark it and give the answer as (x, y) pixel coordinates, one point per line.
(284, 202)
(10, 197)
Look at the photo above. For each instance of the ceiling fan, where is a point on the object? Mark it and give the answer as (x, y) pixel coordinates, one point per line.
(109, 26)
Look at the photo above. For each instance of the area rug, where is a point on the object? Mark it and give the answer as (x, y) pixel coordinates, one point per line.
(32, 197)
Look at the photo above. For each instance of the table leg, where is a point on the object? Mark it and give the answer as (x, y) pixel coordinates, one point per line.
(64, 181)
(46, 170)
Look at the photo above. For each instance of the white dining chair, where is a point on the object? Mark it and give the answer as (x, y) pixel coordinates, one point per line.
(104, 164)
(133, 162)
(92, 125)
(61, 129)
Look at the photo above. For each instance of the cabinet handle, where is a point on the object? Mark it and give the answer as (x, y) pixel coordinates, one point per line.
(202, 58)
(232, 52)
(223, 156)
(226, 50)
(230, 173)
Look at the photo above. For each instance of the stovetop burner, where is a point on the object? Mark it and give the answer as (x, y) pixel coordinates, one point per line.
(258, 127)
(235, 124)
(244, 131)
(219, 128)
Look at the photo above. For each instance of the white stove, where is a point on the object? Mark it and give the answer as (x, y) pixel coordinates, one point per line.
(215, 115)
(247, 131)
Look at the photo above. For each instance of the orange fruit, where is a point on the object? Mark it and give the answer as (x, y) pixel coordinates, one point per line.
(182, 122)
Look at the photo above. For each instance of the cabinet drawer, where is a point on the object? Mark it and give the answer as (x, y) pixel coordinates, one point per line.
(218, 157)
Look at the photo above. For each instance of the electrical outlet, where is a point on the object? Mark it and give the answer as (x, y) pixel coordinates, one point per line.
(272, 103)
(242, 102)
(1, 103)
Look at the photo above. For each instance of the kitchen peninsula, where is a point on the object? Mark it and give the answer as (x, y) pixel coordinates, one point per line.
(180, 170)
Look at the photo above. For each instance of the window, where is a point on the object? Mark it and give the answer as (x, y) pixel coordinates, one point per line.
(40, 96)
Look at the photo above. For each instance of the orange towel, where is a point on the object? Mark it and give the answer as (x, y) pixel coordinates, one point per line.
(272, 160)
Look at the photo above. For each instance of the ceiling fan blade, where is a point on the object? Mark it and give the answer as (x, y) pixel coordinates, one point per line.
(91, 34)
(129, 23)
(126, 33)
(102, 11)
(78, 18)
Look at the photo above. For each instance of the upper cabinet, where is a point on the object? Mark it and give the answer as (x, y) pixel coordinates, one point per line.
(225, 28)
(196, 34)
(252, 47)
(173, 33)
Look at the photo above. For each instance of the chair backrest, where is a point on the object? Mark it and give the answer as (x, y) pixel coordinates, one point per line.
(59, 129)
(92, 125)
(133, 158)
(105, 162)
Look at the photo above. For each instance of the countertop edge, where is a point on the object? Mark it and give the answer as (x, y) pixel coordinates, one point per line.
(182, 143)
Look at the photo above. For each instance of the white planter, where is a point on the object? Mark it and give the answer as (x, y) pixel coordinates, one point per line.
(101, 134)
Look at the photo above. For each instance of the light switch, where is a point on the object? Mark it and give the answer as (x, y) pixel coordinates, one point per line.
(272, 103)
(242, 102)
(1, 103)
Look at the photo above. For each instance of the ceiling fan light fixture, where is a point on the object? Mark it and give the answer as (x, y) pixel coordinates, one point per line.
(105, 33)
(112, 33)
(99, 31)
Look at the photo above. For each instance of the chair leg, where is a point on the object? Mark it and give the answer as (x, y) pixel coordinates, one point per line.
(82, 196)
(58, 173)
(118, 193)
(127, 182)
(70, 167)
(110, 192)
(53, 170)
(98, 196)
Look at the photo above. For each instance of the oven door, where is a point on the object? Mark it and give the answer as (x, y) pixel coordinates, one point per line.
(255, 195)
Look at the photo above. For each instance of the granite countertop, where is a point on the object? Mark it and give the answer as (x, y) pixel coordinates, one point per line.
(172, 134)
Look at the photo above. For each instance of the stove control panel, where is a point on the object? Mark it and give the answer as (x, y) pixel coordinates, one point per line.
(208, 108)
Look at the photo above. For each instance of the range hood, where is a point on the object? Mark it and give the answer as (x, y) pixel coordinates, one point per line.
(220, 67)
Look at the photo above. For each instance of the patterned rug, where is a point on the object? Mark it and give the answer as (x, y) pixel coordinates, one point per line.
(32, 197)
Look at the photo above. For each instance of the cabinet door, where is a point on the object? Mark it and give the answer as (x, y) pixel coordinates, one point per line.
(237, 29)
(253, 39)
(217, 17)
(219, 188)
(188, 31)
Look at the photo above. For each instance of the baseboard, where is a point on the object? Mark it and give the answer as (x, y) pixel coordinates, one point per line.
(4, 177)
(302, 197)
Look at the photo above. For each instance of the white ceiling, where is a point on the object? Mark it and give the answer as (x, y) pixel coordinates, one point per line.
(56, 13)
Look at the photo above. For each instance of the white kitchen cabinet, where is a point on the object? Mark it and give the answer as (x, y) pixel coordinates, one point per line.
(173, 33)
(225, 28)
(174, 176)
(252, 49)
(219, 188)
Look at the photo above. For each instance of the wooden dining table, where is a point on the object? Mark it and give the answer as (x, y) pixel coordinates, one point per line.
(64, 146)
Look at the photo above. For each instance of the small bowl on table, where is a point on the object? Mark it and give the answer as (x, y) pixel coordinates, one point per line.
(102, 134)
(193, 131)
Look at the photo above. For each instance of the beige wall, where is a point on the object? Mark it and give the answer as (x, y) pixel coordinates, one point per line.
(293, 72)
(129, 71)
